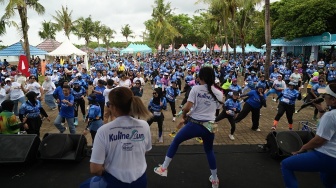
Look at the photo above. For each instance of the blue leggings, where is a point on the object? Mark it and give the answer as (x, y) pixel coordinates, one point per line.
(312, 161)
(109, 181)
(192, 130)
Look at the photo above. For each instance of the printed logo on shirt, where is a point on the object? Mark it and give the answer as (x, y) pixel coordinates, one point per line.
(134, 136)
(127, 146)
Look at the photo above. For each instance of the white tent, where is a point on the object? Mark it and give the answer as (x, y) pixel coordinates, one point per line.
(66, 49)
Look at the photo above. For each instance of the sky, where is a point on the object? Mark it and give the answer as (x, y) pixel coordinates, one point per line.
(112, 13)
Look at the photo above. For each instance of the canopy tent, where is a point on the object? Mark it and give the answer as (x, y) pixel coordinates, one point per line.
(135, 48)
(182, 48)
(239, 49)
(229, 48)
(17, 49)
(100, 49)
(205, 48)
(113, 49)
(251, 48)
(191, 48)
(216, 48)
(66, 49)
(49, 45)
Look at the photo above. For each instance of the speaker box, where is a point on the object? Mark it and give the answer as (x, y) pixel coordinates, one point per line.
(71, 147)
(19, 148)
(281, 144)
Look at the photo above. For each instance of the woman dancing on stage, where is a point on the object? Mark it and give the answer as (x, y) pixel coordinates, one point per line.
(204, 99)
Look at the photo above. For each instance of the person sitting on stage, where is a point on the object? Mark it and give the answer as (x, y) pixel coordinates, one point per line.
(8, 121)
(322, 157)
(34, 112)
(118, 155)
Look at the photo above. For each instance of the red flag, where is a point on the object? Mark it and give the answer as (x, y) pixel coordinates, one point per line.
(23, 65)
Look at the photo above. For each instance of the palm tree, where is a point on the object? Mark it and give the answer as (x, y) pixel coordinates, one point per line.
(97, 29)
(6, 23)
(126, 32)
(163, 29)
(64, 21)
(84, 29)
(48, 30)
(267, 37)
(21, 6)
(107, 35)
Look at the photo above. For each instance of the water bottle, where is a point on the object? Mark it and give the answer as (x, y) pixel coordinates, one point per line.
(180, 113)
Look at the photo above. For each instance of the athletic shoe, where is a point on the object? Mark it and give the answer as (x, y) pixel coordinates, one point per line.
(231, 137)
(273, 128)
(162, 172)
(258, 130)
(62, 124)
(274, 99)
(53, 109)
(173, 134)
(214, 182)
(181, 106)
(290, 129)
(160, 139)
(296, 111)
(174, 119)
(65, 128)
(199, 139)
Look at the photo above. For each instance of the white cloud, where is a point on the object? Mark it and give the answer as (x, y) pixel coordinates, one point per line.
(112, 13)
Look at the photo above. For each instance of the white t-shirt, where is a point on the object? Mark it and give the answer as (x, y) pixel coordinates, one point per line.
(126, 83)
(49, 88)
(34, 87)
(327, 130)
(141, 80)
(295, 77)
(204, 108)
(15, 91)
(106, 94)
(95, 81)
(116, 80)
(279, 85)
(2, 95)
(120, 146)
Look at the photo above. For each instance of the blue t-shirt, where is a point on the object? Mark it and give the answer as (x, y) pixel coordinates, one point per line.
(255, 100)
(67, 111)
(100, 97)
(289, 96)
(29, 110)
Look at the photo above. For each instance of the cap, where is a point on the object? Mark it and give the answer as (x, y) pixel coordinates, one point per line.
(78, 74)
(7, 79)
(234, 79)
(173, 81)
(55, 70)
(253, 72)
(166, 74)
(279, 75)
(292, 83)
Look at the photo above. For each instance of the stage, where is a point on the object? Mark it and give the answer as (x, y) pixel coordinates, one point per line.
(238, 166)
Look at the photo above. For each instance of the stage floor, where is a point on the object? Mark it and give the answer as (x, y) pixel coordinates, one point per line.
(238, 166)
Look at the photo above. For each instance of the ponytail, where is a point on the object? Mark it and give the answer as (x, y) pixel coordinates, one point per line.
(208, 76)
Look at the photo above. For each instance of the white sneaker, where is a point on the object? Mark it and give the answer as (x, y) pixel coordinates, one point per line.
(231, 137)
(214, 182)
(258, 130)
(62, 124)
(161, 139)
(274, 99)
(296, 111)
(273, 128)
(174, 119)
(162, 172)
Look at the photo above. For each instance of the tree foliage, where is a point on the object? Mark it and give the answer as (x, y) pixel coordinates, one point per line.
(64, 20)
(298, 18)
(48, 30)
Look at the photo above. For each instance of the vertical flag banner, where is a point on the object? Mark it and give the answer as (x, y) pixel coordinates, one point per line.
(23, 65)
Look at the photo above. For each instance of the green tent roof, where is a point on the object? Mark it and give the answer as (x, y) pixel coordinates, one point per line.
(326, 39)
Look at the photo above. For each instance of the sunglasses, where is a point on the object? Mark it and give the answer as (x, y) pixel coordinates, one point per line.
(321, 81)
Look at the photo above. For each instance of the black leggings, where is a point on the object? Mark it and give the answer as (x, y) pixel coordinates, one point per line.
(172, 106)
(34, 125)
(81, 104)
(289, 109)
(247, 108)
(159, 120)
(224, 115)
(102, 104)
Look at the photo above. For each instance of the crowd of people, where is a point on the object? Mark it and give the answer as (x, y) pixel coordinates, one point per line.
(113, 87)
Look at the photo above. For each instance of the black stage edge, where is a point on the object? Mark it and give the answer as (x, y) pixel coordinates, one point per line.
(238, 166)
